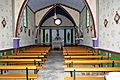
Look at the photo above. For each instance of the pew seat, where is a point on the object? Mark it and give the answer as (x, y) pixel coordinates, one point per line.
(18, 76)
(84, 78)
(85, 57)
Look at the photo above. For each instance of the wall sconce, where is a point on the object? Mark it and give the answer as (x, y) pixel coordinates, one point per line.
(117, 17)
(4, 22)
(105, 22)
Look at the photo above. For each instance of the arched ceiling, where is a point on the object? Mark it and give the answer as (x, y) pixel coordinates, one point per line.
(39, 4)
(59, 10)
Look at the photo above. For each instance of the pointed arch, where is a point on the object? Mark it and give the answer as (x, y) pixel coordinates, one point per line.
(60, 10)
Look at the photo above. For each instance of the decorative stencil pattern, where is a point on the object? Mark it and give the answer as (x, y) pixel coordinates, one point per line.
(105, 22)
(27, 28)
(117, 17)
(109, 36)
(6, 28)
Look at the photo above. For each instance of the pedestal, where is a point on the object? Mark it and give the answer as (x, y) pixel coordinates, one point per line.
(16, 43)
(95, 43)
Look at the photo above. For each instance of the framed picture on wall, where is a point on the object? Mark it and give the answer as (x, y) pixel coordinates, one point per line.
(29, 32)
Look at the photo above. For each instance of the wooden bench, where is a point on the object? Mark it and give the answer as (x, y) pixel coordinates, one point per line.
(85, 57)
(35, 51)
(94, 62)
(30, 54)
(96, 69)
(84, 78)
(21, 57)
(8, 61)
(27, 76)
(75, 50)
(74, 54)
(25, 63)
(39, 49)
(18, 76)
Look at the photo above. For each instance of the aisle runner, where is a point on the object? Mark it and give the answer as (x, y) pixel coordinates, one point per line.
(54, 69)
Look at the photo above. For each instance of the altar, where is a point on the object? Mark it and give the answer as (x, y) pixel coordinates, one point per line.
(57, 43)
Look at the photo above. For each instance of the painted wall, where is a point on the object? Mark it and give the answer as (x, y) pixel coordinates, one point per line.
(109, 36)
(39, 15)
(17, 6)
(93, 7)
(27, 31)
(75, 14)
(65, 21)
(85, 28)
(6, 33)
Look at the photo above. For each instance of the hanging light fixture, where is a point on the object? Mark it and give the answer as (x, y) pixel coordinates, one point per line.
(57, 20)
(55, 15)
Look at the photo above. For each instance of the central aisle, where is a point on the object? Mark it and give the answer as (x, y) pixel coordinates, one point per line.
(53, 69)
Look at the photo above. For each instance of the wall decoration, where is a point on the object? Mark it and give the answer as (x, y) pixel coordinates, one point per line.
(41, 36)
(18, 34)
(46, 37)
(105, 22)
(25, 29)
(87, 30)
(32, 32)
(68, 36)
(109, 39)
(29, 32)
(117, 17)
(80, 29)
(6, 25)
(4, 22)
(21, 29)
(91, 28)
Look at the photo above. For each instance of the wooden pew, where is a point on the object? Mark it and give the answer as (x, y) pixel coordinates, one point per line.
(93, 62)
(20, 61)
(85, 57)
(21, 57)
(35, 51)
(75, 50)
(77, 54)
(30, 54)
(95, 69)
(27, 76)
(38, 49)
(85, 78)
(18, 76)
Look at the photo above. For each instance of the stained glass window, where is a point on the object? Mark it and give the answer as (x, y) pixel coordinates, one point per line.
(88, 18)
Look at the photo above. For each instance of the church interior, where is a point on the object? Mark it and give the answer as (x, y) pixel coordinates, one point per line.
(59, 39)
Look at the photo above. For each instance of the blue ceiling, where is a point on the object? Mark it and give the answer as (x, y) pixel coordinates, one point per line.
(39, 4)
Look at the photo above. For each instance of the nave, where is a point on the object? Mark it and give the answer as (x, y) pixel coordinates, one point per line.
(59, 39)
(70, 63)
